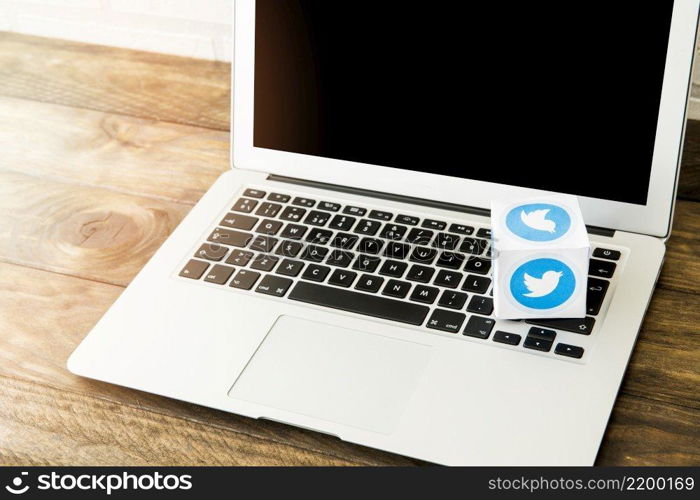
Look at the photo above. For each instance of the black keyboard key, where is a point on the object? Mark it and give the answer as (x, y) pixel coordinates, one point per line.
(473, 246)
(366, 263)
(316, 218)
(484, 233)
(446, 321)
(369, 283)
(219, 274)
(263, 244)
(238, 221)
(294, 231)
(604, 253)
(396, 250)
(254, 193)
(476, 284)
(506, 337)
(245, 205)
(424, 255)
(292, 214)
(367, 227)
(481, 305)
(434, 224)
(407, 219)
(244, 279)
(421, 274)
(289, 248)
(583, 326)
(477, 265)
(425, 294)
(239, 258)
(450, 260)
(360, 212)
(340, 258)
(274, 285)
(329, 206)
(393, 232)
(342, 278)
(360, 303)
(280, 198)
(419, 236)
(479, 327)
(446, 241)
(290, 267)
(448, 279)
(344, 240)
(595, 294)
(303, 202)
(211, 252)
(194, 269)
(379, 215)
(319, 236)
(453, 300)
(314, 253)
(268, 209)
(370, 245)
(396, 288)
(314, 272)
(461, 229)
(342, 222)
(393, 268)
(230, 237)
(269, 226)
(570, 351)
(602, 268)
(537, 344)
(542, 333)
(264, 262)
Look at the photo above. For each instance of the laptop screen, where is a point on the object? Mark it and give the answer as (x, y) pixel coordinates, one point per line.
(561, 97)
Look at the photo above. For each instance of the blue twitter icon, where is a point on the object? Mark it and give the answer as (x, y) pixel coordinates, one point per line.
(538, 221)
(543, 283)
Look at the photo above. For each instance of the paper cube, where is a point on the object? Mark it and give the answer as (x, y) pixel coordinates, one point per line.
(540, 249)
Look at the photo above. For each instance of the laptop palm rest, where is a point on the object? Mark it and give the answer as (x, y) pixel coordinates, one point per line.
(350, 377)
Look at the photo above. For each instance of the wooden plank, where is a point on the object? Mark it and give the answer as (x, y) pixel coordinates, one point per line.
(142, 84)
(643, 432)
(42, 425)
(681, 270)
(689, 182)
(133, 155)
(88, 232)
(44, 316)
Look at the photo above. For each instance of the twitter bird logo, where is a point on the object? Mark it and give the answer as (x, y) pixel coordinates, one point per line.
(539, 287)
(543, 283)
(538, 221)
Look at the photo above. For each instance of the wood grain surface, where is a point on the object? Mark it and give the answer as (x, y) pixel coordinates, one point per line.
(104, 152)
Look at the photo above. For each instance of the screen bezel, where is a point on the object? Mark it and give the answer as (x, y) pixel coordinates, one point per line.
(654, 218)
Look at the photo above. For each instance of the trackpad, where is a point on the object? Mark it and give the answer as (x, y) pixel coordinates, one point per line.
(331, 373)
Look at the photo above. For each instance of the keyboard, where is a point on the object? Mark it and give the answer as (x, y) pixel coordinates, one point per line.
(426, 273)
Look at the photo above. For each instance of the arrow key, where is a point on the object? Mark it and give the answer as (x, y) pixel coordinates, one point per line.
(570, 351)
(538, 344)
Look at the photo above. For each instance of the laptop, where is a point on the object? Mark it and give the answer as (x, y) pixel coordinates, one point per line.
(338, 277)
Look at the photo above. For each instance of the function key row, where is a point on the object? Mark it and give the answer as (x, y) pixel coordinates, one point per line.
(272, 207)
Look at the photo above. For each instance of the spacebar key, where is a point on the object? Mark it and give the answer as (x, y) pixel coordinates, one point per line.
(360, 303)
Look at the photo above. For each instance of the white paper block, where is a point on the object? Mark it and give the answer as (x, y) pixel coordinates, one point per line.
(540, 249)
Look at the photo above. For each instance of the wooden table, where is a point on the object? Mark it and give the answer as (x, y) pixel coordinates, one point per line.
(103, 152)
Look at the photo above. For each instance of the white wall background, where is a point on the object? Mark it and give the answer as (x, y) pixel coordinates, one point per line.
(195, 28)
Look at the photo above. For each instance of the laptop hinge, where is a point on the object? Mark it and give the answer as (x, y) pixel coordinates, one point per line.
(453, 207)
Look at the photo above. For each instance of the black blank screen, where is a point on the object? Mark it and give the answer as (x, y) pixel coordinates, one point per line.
(544, 95)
